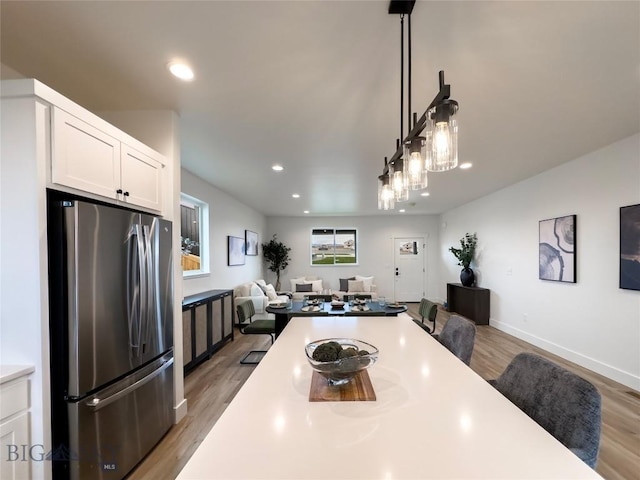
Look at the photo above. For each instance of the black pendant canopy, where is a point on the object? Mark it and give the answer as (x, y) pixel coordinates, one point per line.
(401, 6)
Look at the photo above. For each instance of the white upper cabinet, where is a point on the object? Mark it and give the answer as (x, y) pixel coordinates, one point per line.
(88, 159)
(141, 178)
(83, 157)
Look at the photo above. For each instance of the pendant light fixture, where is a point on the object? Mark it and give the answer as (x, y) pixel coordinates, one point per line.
(443, 138)
(432, 142)
(386, 197)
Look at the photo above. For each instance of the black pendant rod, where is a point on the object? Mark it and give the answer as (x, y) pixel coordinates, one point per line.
(402, 77)
(409, 71)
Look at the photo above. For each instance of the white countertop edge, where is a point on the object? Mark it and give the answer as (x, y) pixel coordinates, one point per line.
(11, 372)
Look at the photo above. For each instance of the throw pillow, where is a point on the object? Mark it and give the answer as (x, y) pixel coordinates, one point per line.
(256, 291)
(366, 282)
(271, 292)
(296, 281)
(261, 282)
(303, 287)
(262, 287)
(316, 285)
(355, 286)
(344, 284)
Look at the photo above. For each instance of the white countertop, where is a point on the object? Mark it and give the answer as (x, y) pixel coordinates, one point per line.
(433, 418)
(11, 372)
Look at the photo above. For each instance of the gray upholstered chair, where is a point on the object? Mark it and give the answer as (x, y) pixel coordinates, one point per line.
(459, 336)
(248, 326)
(428, 311)
(564, 404)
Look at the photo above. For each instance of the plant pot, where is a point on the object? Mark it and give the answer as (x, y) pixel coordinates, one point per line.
(467, 277)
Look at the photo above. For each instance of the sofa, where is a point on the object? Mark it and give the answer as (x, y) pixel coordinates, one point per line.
(312, 285)
(261, 294)
(357, 285)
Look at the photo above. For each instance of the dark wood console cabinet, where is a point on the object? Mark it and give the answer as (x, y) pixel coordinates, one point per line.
(207, 323)
(470, 302)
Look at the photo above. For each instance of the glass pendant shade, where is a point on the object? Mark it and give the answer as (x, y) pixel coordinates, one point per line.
(442, 148)
(386, 197)
(399, 181)
(415, 171)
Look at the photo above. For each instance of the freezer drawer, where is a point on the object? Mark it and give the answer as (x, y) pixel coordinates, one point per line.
(112, 430)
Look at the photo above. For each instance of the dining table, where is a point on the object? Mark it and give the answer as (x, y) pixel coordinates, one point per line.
(285, 311)
(433, 417)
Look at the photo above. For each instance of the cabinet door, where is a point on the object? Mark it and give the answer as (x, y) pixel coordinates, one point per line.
(15, 444)
(141, 179)
(83, 157)
(216, 321)
(201, 330)
(187, 353)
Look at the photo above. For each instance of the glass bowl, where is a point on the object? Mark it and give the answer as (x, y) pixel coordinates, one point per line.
(342, 370)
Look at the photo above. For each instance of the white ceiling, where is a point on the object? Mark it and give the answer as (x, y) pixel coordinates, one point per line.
(314, 85)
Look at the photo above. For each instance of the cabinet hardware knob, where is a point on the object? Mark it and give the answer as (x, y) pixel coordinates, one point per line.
(119, 191)
(126, 194)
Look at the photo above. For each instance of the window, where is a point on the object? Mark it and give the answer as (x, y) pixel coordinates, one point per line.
(194, 236)
(332, 246)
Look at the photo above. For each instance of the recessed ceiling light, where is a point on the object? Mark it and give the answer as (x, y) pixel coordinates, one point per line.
(424, 194)
(296, 195)
(181, 70)
(277, 168)
(306, 211)
(401, 210)
(464, 166)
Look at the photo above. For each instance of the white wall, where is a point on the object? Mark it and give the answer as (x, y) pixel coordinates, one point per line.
(375, 248)
(227, 216)
(592, 322)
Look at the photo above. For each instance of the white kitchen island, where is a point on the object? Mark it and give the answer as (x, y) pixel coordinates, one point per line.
(433, 418)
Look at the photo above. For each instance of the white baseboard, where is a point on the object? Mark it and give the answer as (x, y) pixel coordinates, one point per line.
(180, 411)
(608, 371)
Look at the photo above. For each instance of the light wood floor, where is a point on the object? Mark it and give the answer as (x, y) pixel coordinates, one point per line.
(212, 385)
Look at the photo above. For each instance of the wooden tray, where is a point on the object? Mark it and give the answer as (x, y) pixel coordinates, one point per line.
(358, 389)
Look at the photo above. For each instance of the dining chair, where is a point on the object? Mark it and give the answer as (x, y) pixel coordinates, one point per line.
(248, 326)
(563, 403)
(458, 335)
(427, 311)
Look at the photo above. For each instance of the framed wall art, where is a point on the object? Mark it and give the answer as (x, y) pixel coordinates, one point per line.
(557, 249)
(235, 249)
(630, 247)
(251, 240)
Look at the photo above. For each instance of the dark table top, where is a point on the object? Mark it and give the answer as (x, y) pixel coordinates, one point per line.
(327, 309)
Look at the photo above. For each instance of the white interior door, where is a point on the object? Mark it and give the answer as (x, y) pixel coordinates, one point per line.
(409, 268)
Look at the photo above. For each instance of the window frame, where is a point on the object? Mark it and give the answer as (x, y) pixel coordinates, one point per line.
(191, 201)
(333, 246)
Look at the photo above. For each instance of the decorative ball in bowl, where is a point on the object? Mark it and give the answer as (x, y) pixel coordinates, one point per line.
(340, 359)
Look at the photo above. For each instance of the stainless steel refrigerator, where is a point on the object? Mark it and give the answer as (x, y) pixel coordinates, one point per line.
(111, 330)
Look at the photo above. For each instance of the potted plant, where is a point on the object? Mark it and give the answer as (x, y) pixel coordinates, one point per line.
(277, 255)
(465, 254)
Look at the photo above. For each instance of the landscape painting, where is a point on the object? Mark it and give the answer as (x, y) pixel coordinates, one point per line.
(557, 249)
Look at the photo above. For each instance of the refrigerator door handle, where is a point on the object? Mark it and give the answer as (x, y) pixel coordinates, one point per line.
(137, 291)
(97, 403)
(149, 304)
